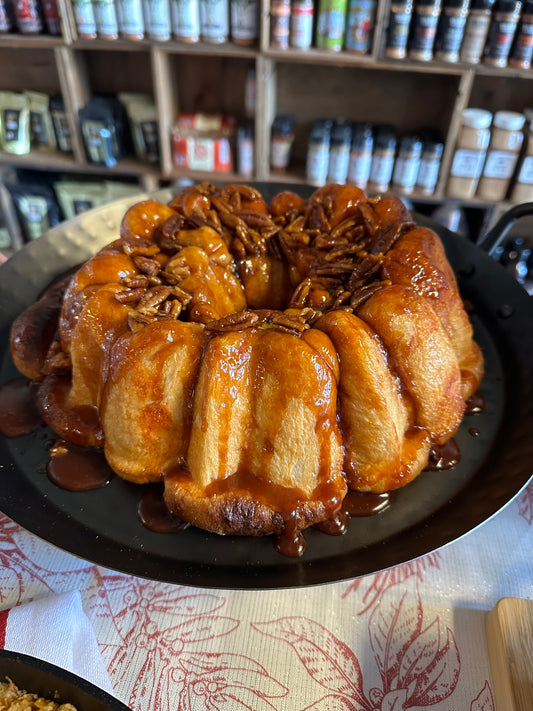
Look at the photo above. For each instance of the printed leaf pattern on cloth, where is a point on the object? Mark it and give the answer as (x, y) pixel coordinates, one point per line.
(484, 701)
(418, 665)
(525, 504)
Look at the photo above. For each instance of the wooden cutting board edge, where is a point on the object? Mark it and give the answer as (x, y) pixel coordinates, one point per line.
(509, 629)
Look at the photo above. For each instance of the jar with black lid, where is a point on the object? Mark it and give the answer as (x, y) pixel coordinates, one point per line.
(318, 152)
(407, 164)
(382, 158)
(428, 171)
(476, 31)
(398, 29)
(424, 29)
(450, 30)
(501, 32)
(339, 151)
(522, 47)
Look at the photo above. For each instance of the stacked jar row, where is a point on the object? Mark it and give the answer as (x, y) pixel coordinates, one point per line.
(493, 159)
(373, 157)
(215, 21)
(495, 32)
(331, 24)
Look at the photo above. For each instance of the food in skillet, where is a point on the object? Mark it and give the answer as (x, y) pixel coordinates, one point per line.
(259, 360)
(14, 699)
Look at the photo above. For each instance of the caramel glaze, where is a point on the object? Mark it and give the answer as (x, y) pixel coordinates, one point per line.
(78, 468)
(19, 413)
(443, 456)
(154, 515)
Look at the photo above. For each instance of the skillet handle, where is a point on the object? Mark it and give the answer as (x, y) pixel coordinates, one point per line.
(496, 234)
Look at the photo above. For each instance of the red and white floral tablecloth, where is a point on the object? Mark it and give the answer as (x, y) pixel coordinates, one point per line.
(412, 637)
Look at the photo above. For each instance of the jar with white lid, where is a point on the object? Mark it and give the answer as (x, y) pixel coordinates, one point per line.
(505, 144)
(523, 188)
(470, 152)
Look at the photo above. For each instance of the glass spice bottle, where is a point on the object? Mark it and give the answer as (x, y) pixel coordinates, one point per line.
(106, 19)
(28, 16)
(7, 20)
(157, 18)
(281, 143)
(316, 170)
(382, 159)
(339, 151)
(476, 31)
(398, 29)
(130, 19)
(331, 24)
(470, 153)
(301, 24)
(85, 19)
(424, 29)
(214, 21)
(505, 144)
(51, 17)
(360, 26)
(428, 171)
(185, 17)
(360, 154)
(280, 16)
(450, 30)
(407, 164)
(244, 16)
(522, 47)
(501, 32)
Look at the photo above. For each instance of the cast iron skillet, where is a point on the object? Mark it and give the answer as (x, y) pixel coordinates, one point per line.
(436, 509)
(55, 684)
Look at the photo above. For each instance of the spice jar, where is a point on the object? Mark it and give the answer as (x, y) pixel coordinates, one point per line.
(339, 151)
(470, 152)
(244, 21)
(130, 19)
(301, 24)
(382, 159)
(505, 144)
(360, 154)
(523, 188)
(476, 31)
(85, 19)
(214, 21)
(280, 16)
(185, 17)
(424, 29)
(331, 24)
(360, 26)
(451, 29)
(245, 149)
(407, 164)
(522, 47)
(501, 32)
(317, 163)
(7, 20)
(106, 19)
(281, 142)
(428, 171)
(51, 17)
(157, 18)
(398, 29)
(28, 16)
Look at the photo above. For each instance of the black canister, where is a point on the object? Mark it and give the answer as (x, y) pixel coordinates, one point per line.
(501, 32)
(522, 47)
(424, 29)
(450, 30)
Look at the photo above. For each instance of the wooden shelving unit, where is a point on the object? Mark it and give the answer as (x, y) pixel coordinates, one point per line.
(207, 77)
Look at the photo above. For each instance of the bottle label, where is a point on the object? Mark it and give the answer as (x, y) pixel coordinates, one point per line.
(450, 33)
(499, 164)
(339, 158)
(244, 20)
(186, 19)
(500, 39)
(406, 171)
(214, 20)
(157, 13)
(523, 46)
(398, 30)
(467, 163)
(246, 156)
(317, 164)
(360, 25)
(84, 15)
(428, 174)
(381, 169)
(106, 17)
(130, 17)
(301, 26)
(423, 33)
(359, 168)
(526, 171)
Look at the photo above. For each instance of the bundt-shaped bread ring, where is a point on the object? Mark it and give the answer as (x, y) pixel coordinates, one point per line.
(260, 360)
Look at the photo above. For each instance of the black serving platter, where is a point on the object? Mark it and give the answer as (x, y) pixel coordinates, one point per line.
(51, 682)
(436, 509)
